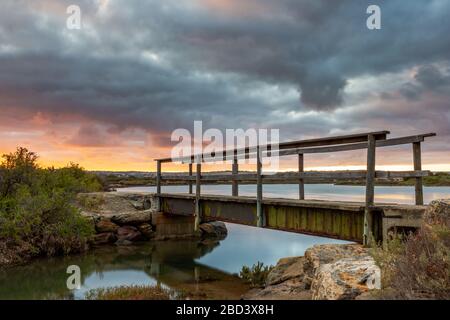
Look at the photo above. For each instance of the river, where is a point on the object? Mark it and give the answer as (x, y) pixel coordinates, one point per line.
(394, 194)
(199, 269)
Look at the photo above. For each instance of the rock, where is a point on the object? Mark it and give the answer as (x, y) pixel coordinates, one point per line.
(146, 230)
(213, 229)
(133, 217)
(286, 269)
(104, 238)
(129, 233)
(328, 253)
(105, 225)
(346, 278)
(123, 242)
(292, 289)
(438, 213)
(325, 272)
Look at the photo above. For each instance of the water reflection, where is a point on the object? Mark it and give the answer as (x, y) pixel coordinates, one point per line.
(167, 263)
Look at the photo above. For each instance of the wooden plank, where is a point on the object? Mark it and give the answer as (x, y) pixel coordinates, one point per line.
(355, 146)
(370, 189)
(417, 158)
(190, 176)
(293, 177)
(259, 190)
(334, 140)
(313, 150)
(301, 183)
(235, 171)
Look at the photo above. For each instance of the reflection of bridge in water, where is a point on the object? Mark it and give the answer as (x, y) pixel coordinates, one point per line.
(168, 263)
(338, 219)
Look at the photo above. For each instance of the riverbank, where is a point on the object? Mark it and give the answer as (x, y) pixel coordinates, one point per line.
(124, 218)
(133, 179)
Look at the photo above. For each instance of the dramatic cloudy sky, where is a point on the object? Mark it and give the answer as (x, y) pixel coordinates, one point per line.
(109, 95)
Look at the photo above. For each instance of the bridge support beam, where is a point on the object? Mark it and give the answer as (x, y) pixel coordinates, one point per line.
(417, 158)
(234, 183)
(197, 195)
(190, 175)
(158, 184)
(370, 189)
(259, 189)
(301, 183)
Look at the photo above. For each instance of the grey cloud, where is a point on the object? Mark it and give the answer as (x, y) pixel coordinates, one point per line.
(211, 60)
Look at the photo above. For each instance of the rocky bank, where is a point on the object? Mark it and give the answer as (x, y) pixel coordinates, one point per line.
(124, 218)
(325, 272)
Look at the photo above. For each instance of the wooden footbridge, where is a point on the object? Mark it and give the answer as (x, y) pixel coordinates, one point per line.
(338, 219)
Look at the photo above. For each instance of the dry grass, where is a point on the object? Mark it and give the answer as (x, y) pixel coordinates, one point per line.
(130, 293)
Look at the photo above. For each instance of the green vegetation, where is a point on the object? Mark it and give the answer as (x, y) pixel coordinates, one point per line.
(417, 265)
(113, 180)
(130, 293)
(37, 214)
(436, 179)
(91, 202)
(256, 276)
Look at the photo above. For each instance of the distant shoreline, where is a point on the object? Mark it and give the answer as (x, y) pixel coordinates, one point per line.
(123, 180)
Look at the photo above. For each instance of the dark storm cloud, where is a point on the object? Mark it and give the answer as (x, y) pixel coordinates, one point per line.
(159, 65)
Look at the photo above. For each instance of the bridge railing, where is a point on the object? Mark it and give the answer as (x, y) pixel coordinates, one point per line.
(370, 141)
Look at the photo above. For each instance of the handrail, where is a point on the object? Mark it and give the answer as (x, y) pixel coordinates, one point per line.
(328, 141)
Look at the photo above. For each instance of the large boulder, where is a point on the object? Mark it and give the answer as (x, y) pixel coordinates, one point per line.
(213, 229)
(132, 218)
(346, 279)
(105, 225)
(330, 271)
(104, 238)
(328, 253)
(129, 233)
(146, 230)
(287, 269)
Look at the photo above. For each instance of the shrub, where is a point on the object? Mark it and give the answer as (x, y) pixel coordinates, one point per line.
(256, 276)
(36, 206)
(418, 266)
(130, 293)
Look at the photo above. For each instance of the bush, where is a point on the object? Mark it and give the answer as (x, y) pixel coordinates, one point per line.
(36, 206)
(130, 293)
(418, 266)
(256, 276)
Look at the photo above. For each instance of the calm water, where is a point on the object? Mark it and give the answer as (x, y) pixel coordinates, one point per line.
(393, 194)
(202, 269)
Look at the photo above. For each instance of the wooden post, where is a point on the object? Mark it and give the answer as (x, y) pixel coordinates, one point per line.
(417, 157)
(158, 177)
(259, 190)
(158, 185)
(301, 184)
(370, 189)
(197, 194)
(234, 186)
(190, 175)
